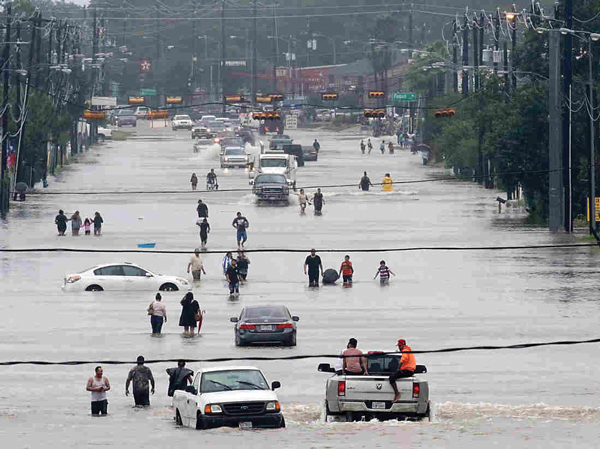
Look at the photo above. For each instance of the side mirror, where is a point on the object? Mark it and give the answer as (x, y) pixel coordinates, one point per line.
(191, 389)
(275, 385)
(251, 182)
(148, 275)
(296, 318)
(325, 368)
(233, 319)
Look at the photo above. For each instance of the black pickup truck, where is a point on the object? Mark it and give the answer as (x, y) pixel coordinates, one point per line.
(271, 187)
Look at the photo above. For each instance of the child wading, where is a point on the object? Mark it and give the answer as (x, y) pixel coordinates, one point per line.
(384, 273)
(347, 270)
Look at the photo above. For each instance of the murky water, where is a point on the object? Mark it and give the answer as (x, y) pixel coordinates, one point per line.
(512, 398)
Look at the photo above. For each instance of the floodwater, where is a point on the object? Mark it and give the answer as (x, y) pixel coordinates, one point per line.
(539, 397)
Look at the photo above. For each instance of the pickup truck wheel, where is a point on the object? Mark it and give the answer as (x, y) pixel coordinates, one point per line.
(282, 425)
(428, 414)
(199, 422)
(178, 419)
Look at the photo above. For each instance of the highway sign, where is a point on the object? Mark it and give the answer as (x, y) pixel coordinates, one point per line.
(404, 96)
(147, 92)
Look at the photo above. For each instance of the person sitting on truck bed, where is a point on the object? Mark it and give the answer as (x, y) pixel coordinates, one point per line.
(408, 364)
(354, 365)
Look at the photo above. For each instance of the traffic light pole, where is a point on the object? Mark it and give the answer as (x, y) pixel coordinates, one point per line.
(465, 58)
(592, 164)
(454, 57)
(223, 65)
(567, 82)
(254, 55)
(475, 56)
(4, 186)
(555, 177)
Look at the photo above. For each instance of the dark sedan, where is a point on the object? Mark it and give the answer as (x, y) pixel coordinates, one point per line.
(310, 154)
(126, 117)
(265, 324)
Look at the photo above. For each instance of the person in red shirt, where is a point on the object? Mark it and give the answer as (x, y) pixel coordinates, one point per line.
(346, 270)
(407, 367)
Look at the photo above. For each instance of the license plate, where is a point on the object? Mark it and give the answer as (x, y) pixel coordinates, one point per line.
(246, 425)
(266, 328)
(379, 405)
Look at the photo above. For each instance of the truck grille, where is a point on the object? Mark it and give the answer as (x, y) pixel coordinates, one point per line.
(244, 408)
(274, 191)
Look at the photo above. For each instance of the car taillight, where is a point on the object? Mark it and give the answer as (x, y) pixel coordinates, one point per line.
(247, 326)
(416, 390)
(342, 388)
(285, 326)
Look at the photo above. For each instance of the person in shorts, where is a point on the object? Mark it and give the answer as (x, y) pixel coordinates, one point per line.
(196, 265)
(241, 223)
(242, 264)
(347, 270)
(98, 385)
(384, 273)
(407, 367)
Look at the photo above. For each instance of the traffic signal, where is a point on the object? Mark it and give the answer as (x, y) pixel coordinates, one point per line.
(174, 100)
(329, 97)
(444, 113)
(376, 94)
(93, 115)
(234, 98)
(258, 115)
(276, 97)
(263, 99)
(136, 100)
(272, 116)
(374, 113)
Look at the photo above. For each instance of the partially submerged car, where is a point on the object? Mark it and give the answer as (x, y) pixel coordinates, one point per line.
(182, 121)
(265, 324)
(235, 156)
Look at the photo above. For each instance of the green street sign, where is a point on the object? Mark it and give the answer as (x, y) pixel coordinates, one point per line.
(147, 92)
(401, 96)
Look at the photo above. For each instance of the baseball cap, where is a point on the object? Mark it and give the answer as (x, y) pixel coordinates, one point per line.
(402, 342)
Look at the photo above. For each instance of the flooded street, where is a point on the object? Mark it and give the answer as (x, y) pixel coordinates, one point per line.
(539, 397)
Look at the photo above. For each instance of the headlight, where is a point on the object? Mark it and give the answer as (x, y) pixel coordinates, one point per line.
(246, 158)
(273, 406)
(226, 159)
(212, 408)
(182, 281)
(73, 279)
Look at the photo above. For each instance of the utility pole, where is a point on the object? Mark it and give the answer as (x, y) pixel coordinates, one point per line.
(38, 48)
(506, 78)
(159, 66)
(194, 56)
(496, 34)
(410, 31)
(513, 52)
(454, 56)
(18, 75)
(555, 177)
(567, 82)
(254, 53)
(4, 186)
(223, 65)
(592, 164)
(465, 59)
(275, 37)
(94, 73)
(475, 55)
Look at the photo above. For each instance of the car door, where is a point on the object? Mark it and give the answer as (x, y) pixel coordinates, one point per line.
(110, 277)
(134, 278)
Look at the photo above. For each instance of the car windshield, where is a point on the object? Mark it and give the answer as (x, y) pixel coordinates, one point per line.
(383, 364)
(216, 381)
(217, 125)
(235, 152)
(273, 163)
(266, 312)
(281, 137)
(123, 112)
(234, 141)
(270, 179)
(182, 117)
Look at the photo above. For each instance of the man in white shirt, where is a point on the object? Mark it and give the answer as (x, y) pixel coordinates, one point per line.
(98, 385)
(196, 265)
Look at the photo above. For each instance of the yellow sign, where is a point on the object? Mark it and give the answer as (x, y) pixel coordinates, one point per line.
(174, 100)
(597, 209)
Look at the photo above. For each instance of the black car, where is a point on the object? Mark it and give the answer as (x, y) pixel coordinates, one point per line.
(295, 150)
(247, 135)
(310, 154)
(265, 324)
(126, 117)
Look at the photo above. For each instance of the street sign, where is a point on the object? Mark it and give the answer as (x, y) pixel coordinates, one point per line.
(291, 121)
(104, 101)
(402, 96)
(147, 92)
(596, 209)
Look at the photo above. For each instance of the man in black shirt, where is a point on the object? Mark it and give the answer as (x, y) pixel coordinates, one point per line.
(202, 209)
(233, 278)
(240, 223)
(318, 201)
(313, 262)
(365, 182)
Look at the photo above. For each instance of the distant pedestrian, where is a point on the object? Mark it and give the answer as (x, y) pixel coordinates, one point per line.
(242, 264)
(196, 265)
(382, 146)
(362, 147)
(399, 136)
(158, 315)
(233, 277)
(194, 181)
(190, 313)
(241, 224)
(87, 224)
(179, 377)
(313, 262)
(388, 183)
(61, 222)
(384, 273)
(318, 201)
(98, 385)
(202, 210)
(316, 145)
(141, 376)
(347, 270)
(365, 183)
(370, 145)
(98, 223)
(75, 223)
(226, 262)
(204, 230)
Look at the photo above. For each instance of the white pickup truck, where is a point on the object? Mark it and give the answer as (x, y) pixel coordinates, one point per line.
(276, 162)
(356, 397)
(234, 396)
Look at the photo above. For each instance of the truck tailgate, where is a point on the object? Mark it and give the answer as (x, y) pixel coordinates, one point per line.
(374, 388)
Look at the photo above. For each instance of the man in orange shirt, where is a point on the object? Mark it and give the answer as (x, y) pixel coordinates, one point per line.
(347, 270)
(407, 367)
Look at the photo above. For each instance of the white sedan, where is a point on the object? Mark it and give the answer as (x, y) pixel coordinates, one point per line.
(122, 276)
(182, 122)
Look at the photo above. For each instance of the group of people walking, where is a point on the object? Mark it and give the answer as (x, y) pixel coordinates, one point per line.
(142, 380)
(317, 201)
(387, 183)
(189, 319)
(382, 146)
(77, 223)
(235, 271)
(240, 224)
